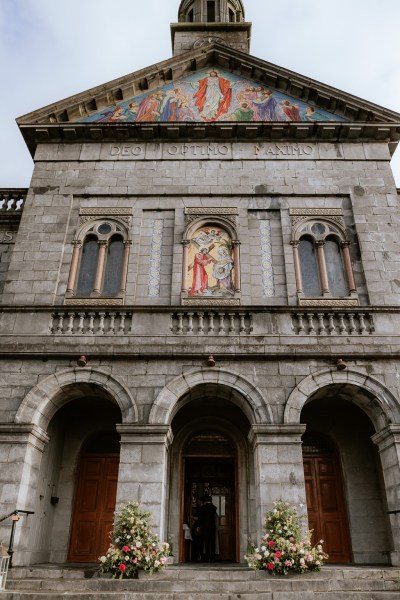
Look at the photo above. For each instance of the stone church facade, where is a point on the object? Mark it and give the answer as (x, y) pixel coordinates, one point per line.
(200, 295)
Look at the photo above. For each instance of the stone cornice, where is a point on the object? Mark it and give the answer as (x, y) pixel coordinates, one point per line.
(225, 131)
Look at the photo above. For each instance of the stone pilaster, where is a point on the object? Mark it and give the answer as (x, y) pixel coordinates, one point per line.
(388, 442)
(279, 472)
(21, 449)
(143, 469)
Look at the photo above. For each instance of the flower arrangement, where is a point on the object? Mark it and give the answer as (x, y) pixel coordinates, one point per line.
(133, 545)
(285, 548)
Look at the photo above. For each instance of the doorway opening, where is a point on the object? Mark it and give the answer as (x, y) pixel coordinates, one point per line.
(326, 506)
(209, 471)
(95, 498)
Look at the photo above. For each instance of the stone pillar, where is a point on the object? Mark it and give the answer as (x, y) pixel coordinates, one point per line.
(185, 265)
(388, 442)
(236, 262)
(297, 268)
(103, 245)
(143, 469)
(74, 266)
(279, 472)
(323, 273)
(124, 270)
(348, 267)
(21, 449)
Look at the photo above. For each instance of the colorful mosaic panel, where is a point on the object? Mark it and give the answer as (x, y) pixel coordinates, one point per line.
(266, 259)
(155, 259)
(212, 95)
(211, 266)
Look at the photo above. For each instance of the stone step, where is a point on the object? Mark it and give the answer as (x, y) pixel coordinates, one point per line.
(205, 583)
(154, 584)
(194, 595)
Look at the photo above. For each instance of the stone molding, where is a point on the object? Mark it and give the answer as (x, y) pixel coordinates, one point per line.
(275, 434)
(382, 408)
(387, 437)
(207, 302)
(334, 303)
(235, 387)
(146, 434)
(53, 392)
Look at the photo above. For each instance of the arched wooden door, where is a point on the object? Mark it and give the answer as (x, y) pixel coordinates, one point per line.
(95, 498)
(326, 507)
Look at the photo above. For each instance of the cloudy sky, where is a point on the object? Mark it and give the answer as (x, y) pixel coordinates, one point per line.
(52, 49)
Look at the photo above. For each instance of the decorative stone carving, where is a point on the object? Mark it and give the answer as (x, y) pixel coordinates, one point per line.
(206, 302)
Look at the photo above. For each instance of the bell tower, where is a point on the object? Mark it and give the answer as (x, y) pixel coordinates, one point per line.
(203, 21)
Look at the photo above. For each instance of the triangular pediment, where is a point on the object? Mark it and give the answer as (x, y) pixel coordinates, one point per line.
(245, 89)
(209, 95)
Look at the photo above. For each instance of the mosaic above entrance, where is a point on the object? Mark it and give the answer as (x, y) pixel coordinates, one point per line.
(211, 95)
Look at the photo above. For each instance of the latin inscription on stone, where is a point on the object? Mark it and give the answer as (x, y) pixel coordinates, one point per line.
(204, 151)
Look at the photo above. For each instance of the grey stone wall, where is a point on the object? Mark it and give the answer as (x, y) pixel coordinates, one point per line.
(149, 177)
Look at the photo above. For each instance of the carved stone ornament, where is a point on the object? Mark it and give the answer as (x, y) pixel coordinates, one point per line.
(303, 214)
(328, 303)
(227, 214)
(90, 302)
(124, 215)
(206, 302)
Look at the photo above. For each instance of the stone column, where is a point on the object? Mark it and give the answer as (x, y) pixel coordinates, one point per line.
(279, 472)
(74, 266)
(100, 267)
(297, 268)
(21, 449)
(143, 469)
(185, 265)
(124, 270)
(236, 261)
(323, 273)
(388, 442)
(348, 268)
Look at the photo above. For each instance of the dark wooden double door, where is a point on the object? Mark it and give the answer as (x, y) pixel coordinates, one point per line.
(94, 507)
(213, 477)
(326, 506)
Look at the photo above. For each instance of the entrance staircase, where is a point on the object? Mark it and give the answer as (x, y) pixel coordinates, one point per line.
(203, 582)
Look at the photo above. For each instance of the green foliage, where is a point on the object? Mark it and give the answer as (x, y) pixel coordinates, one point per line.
(285, 548)
(133, 545)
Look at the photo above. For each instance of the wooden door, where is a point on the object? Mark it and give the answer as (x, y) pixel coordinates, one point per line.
(94, 508)
(215, 478)
(326, 506)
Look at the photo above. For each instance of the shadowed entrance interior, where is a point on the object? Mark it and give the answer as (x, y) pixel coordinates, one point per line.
(210, 470)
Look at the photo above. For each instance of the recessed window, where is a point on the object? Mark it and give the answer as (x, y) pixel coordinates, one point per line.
(190, 16)
(99, 261)
(210, 12)
(322, 261)
(232, 16)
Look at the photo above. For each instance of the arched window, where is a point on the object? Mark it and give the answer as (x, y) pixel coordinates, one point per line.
(100, 261)
(211, 11)
(322, 260)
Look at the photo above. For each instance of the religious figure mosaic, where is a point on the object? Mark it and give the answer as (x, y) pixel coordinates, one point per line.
(212, 95)
(211, 265)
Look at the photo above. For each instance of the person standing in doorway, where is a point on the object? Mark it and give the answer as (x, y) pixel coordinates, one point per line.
(208, 527)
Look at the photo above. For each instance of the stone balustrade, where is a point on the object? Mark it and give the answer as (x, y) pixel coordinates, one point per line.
(212, 322)
(332, 323)
(12, 199)
(209, 322)
(92, 322)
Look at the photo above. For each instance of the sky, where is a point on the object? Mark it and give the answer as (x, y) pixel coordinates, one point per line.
(52, 49)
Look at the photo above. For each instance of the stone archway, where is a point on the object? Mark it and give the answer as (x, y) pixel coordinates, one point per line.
(368, 393)
(239, 390)
(53, 392)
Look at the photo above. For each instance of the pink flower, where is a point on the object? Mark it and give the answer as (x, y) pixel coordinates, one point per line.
(271, 567)
(122, 568)
(291, 539)
(271, 543)
(125, 549)
(278, 554)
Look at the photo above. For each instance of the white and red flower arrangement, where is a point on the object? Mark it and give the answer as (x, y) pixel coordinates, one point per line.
(134, 546)
(285, 547)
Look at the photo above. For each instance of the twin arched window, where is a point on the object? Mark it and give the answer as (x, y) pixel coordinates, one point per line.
(322, 261)
(99, 261)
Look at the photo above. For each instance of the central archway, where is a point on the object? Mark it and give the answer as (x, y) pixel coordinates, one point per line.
(210, 456)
